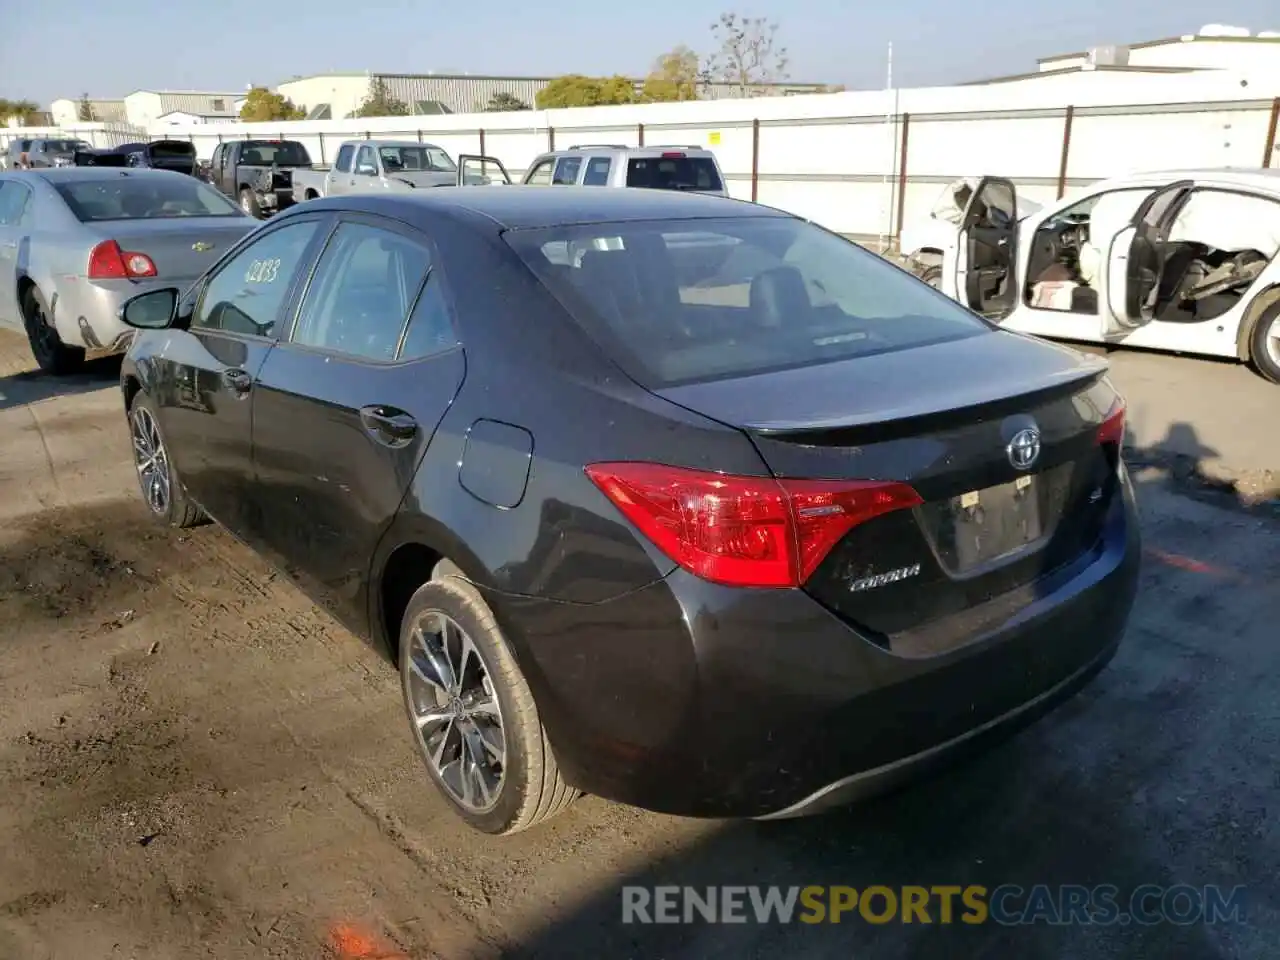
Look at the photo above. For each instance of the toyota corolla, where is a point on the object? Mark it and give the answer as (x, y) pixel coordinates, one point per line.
(673, 499)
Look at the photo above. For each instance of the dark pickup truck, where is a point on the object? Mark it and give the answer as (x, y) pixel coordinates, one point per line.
(258, 174)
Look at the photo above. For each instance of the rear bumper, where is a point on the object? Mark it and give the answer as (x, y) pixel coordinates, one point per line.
(699, 700)
(86, 313)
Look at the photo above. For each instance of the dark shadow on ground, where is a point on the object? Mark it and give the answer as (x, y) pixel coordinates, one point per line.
(33, 386)
(1182, 462)
(1151, 775)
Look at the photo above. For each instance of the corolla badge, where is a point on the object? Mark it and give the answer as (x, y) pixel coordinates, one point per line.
(201, 247)
(1024, 448)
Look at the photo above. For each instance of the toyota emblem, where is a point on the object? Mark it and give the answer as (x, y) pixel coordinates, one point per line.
(1024, 448)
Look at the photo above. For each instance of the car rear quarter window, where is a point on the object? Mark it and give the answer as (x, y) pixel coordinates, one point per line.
(247, 292)
(674, 172)
(597, 174)
(159, 197)
(682, 301)
(15, 199)
(363, 289)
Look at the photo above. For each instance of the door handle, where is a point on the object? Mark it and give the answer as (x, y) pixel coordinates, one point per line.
(389, 426)
(237, 380)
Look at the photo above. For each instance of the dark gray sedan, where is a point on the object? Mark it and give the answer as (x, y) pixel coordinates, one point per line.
(76, 243)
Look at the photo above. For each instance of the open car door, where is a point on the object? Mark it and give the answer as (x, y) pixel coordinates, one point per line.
(983, 272)
(1135, 261)
(477, 170)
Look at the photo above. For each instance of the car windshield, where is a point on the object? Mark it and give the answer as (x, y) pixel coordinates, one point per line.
(674, 172)
(411, 159)
(682, 301)
(288, 153)
(133, 197)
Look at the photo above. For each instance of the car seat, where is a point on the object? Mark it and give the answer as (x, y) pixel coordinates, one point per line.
(779, 298)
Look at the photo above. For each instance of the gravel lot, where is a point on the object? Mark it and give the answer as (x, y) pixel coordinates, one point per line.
(200, 764)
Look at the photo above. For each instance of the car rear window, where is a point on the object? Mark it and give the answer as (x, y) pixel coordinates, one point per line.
(682, 301)
(172, 148)
(133, 197)
(266, 152)
(674, 173)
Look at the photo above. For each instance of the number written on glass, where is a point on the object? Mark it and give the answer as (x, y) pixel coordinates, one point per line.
(263, 271)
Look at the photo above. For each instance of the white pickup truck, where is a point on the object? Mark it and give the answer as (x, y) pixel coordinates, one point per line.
(377, 166)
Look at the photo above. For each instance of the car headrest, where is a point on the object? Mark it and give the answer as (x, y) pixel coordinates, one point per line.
(779, 296)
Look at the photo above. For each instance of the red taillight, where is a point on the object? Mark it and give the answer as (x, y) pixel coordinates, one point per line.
(672, 155)
(108, 262)
(744, 531)
(1112, 428)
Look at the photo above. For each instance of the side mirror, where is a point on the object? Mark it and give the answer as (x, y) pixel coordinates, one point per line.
(152, 310)
(365, 170)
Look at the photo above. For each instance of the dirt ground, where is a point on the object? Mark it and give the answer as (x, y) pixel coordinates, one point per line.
(197, 763)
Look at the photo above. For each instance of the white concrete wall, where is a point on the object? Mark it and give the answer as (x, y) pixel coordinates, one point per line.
(835, 157)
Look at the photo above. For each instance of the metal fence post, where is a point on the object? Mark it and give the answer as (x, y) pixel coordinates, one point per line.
(1066, 150)
(482, 141)
(640, 133)
(321, 135)
(1269, 149)
(419, 134)
(902, 182)
(755, 159)
(551, 138)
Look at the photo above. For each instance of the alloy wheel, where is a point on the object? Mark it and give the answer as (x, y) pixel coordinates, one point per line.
(44, 339)
(1272, 340)
(455, 711)
(151, 459)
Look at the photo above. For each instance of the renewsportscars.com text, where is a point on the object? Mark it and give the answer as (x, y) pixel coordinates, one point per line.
(1008, 904)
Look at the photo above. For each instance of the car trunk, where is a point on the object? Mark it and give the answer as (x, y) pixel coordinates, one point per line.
(180, 247)
(988, 536)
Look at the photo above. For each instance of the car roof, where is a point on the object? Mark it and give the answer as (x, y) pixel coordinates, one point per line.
(1265, 179)
(519, 207)
(76, 174)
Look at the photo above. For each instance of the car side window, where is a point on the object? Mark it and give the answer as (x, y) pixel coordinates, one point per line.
(343, 163)
(541, 174)
(567, 171)
(15, 198)
(597, 174)
(431, 325)
(363, 289)
(247, 292)
(365, 163)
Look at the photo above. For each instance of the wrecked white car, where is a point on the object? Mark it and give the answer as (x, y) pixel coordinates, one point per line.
(1179, 261)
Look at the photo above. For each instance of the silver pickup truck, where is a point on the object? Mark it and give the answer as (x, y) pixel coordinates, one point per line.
(375, 166)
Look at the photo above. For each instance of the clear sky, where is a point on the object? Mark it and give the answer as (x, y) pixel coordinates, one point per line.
(62, 48)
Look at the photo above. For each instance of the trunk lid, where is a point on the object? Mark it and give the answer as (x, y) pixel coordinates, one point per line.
(1002, 508)
(182, 248)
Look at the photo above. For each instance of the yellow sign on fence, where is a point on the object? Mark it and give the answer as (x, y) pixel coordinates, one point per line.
(714, 138)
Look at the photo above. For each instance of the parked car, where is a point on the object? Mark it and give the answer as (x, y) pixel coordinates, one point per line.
(1183, 261)
(15, 154)
(379, 166)
(76, 243)
(744, 531)
(258, 174)
(176, 155)
(692, 169)
(45, 154)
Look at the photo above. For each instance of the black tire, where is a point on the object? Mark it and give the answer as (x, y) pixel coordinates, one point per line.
(177, 510)
(531, 789)
(932, 275)
(51, 354)
(1266, 355)
(249, 203)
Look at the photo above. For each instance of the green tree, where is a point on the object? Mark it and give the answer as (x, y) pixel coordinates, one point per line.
(576, 90)
(503, 101)
(22, 109)
(85, 110)
(381, 102)
(261, 104)
(747, 53)
(674, 77)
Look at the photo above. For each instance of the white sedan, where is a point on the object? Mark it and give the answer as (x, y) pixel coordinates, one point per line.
(1182, 261)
